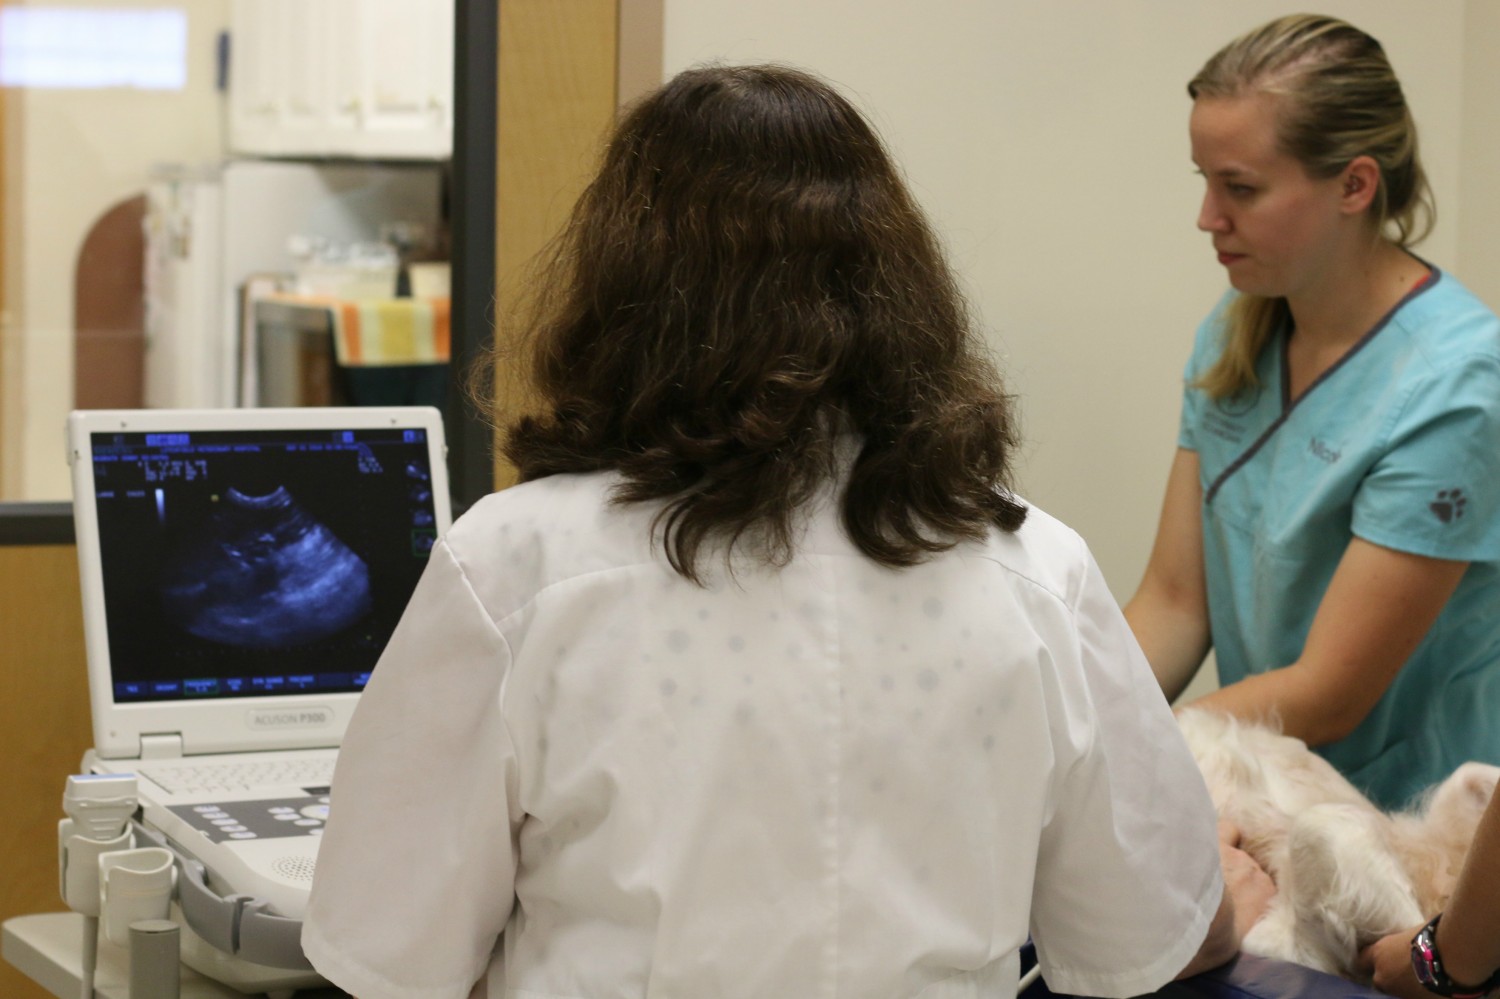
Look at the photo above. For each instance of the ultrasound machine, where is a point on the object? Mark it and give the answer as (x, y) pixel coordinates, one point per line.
(241, 572)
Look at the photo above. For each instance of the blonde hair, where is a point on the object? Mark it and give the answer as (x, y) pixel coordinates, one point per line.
(1338, 99)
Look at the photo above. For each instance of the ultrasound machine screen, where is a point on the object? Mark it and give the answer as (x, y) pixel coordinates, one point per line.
(257, 563)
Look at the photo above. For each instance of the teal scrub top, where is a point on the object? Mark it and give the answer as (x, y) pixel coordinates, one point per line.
(1398, 444)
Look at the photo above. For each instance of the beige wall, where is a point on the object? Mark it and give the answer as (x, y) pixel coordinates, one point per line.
(1476, 213)
(1048, 139)
(74, 155)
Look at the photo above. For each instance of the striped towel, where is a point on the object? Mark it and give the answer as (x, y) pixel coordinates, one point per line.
(386, 331)
(378, 332)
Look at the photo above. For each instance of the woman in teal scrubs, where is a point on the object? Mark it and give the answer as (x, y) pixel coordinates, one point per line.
(1331, 527)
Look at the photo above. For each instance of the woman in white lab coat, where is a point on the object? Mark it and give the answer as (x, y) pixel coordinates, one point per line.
(762, 683)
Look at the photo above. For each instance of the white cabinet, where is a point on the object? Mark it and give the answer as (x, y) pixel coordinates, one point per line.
(413, 86)
(358, 78)
(278, 67)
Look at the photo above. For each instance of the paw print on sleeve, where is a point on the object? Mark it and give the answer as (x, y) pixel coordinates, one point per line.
(1449, 505)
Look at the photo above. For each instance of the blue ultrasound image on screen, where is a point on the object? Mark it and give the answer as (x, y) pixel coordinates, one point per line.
(259, 563)
(261, 572)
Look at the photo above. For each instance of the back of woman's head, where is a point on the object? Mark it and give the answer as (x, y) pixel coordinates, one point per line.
(746, 277)
(1338, 99)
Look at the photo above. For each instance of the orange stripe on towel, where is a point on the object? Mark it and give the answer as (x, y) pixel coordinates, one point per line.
(350, 333)
(442, 309)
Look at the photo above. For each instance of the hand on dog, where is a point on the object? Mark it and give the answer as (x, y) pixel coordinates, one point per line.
(1245, 880)
(1388, 962)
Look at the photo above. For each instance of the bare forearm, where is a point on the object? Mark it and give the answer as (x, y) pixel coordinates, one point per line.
(1376, 610)
(1174, 639)
(1302, 706)
(1169, 612)
(1469, 934)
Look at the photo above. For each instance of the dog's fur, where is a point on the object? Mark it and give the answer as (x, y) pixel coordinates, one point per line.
(1346, 873)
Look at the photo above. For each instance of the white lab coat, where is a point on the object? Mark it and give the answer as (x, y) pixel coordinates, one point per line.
(575, 774)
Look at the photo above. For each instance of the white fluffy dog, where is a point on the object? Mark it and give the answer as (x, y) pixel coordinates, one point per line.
(1346, 873)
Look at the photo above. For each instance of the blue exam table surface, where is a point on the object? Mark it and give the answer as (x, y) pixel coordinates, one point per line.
(1252, 977)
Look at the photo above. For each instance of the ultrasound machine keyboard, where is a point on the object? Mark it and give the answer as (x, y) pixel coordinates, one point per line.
(247, 776)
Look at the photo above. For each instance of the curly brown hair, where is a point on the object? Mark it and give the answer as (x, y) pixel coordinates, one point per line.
(746, 279)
